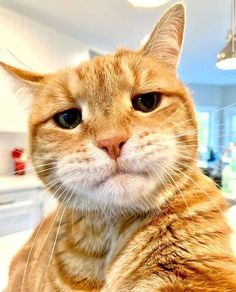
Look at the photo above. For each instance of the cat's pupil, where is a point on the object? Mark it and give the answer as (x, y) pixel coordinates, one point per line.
(146, 102)
(68, 119)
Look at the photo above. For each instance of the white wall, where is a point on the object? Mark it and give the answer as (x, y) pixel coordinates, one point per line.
(206, 95)
(34, 44)
(229, 95)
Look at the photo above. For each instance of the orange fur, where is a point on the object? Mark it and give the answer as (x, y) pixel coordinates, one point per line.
(160, 225)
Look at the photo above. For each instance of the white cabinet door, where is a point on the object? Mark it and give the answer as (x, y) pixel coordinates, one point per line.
(20, 210)
(19, 216)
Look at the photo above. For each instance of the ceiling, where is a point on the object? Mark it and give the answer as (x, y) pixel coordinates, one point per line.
(108, 24)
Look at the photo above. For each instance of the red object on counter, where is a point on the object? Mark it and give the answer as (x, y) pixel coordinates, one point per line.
(19, 159)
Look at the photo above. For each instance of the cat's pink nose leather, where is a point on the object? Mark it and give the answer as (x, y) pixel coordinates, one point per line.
(113, 145)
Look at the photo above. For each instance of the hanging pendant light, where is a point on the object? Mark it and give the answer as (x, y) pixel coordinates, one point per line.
(226, 59)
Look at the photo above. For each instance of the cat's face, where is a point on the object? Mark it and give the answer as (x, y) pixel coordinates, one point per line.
(118, 129)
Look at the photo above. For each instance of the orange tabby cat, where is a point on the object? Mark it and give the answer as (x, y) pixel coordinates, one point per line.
(115, 140)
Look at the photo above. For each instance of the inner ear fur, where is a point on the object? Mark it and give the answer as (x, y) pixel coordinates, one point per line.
(22, 83)
(166, 39)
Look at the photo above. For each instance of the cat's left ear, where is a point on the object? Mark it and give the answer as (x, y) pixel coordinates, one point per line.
(24, 84)
(166, 39)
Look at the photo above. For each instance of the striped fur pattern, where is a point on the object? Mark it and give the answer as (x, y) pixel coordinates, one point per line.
(147, 221)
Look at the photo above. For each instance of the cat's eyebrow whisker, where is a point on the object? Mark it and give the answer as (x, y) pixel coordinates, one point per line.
(137, 63)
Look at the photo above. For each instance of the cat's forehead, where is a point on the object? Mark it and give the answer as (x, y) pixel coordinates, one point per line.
(102, 77)
(107, 81)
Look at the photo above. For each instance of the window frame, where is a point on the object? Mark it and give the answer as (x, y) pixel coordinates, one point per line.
(228, 117)
(213, 138)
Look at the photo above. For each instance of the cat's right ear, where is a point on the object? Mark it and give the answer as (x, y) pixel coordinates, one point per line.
(165, 42)
(24, 84)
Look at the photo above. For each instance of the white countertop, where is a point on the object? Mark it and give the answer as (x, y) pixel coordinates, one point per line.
(9, 245)
(19, 182)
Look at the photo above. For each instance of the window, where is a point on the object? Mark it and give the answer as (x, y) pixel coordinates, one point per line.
(203, 128)
(233, 128)
(230, 125)
(207, 117)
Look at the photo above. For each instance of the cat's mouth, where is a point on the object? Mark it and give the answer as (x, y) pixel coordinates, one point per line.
(120, 175)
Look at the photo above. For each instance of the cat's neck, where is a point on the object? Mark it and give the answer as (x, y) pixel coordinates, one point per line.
(88, 242)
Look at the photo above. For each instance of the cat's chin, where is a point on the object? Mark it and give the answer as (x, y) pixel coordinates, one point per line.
(121, 177)
(118, 188)
(122, 189)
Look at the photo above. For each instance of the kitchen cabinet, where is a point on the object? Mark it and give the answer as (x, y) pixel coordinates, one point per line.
(23, 203)
(19, 216)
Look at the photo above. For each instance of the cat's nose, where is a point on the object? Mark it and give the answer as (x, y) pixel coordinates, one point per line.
(113, 145)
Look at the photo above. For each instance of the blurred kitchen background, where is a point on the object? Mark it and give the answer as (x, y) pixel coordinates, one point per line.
(49, 34)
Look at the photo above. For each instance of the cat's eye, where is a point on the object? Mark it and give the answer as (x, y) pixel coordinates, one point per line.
(146, 102)
(68, 119)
